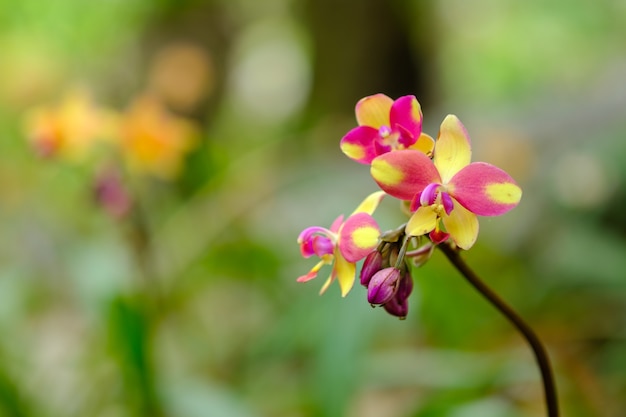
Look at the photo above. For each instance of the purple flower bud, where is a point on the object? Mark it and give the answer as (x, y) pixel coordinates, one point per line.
(111, 195)
(383, 285)
(405, 287)
(372, 264)
(396, 307)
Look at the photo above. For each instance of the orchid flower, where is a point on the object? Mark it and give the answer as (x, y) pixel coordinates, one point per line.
(386, 125)
(70, 130)
(154, 140)
(447, 192)
(343, 244)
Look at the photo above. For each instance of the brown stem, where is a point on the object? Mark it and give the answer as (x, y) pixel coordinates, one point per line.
(537, 347)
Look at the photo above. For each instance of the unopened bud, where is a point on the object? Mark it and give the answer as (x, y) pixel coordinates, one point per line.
(111, 195)
(372, 264)
(405, 287)
(398, 308)
(383, 286)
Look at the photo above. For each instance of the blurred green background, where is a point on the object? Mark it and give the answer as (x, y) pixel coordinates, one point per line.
(190, 308)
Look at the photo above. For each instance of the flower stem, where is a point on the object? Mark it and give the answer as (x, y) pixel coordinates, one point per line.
(533, 340)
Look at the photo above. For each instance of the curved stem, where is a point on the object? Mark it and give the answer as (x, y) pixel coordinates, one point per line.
(539, 351)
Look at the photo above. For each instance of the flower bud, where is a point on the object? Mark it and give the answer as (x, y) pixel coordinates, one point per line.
(372, 264)
(405, 287)
(111, 195)
(396, 307)
(383, 286)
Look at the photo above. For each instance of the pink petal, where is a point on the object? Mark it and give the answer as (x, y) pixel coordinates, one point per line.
(485, 190)
(452, 148)
(359, 144)
(462, 225)
(334, 228)
(373, 111)
(407, 113)
(358, 237)
(402, 174)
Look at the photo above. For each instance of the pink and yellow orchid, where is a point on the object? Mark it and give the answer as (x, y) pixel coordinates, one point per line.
(386, 125)
(448, 192)
(344, 244)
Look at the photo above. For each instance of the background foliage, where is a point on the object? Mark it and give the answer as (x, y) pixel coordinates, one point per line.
(191, 307)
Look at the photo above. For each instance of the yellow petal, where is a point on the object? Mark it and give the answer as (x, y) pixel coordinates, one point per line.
(425, 144)
(462, 225)
(452, 149)
(374, 111)
(346, 272)
(422, 221)
(370, 203)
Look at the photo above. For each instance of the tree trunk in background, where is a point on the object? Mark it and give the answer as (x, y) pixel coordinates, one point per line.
(370, 46)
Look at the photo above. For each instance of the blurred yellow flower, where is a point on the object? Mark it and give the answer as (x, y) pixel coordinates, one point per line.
(155, 141)
(71, 129)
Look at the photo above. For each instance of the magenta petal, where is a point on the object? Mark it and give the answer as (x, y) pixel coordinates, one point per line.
(484, 189)
(447, 202)
(428, 196)
(322, 245)
(358, 144)
(406, 138)
(407, 113)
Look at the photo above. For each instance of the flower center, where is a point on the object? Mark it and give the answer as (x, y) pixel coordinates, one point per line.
(434, 195)
(384, 131)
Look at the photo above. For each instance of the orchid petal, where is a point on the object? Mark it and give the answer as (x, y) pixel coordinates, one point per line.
(438, 236)
(429, 195)
(321, 245)
(345, 272)
(402, 174)
(313, 272)
(370, 203)
(334, 228)
(373, 111)
(447, 202)
(462, 225)
(484, 189)
(315, 240)
(425, 144)
(307, 233)
(358, 144)
(452, 149)
(407, 113)
(329, 280)
(403, 137)
(358, 237)
(422, 221)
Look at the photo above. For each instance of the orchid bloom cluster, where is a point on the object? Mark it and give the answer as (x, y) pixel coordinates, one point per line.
(147, 137)
(435, 179)
(146, 140)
